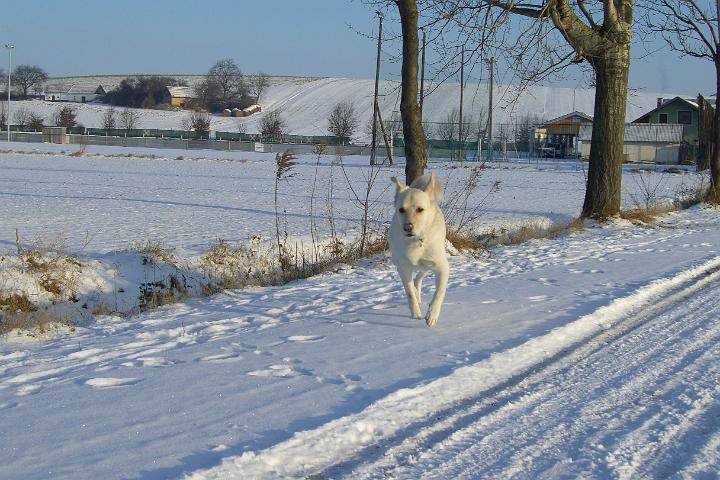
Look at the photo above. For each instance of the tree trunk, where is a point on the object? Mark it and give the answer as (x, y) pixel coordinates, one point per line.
(714, 193)
(602, 195)
(414, 136)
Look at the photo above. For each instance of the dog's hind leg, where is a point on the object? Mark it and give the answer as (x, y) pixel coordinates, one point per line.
(418, 284)
(411, 292)
(441, 280)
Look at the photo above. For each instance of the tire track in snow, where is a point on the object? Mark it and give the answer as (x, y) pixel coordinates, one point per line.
(555, 422)
(404, 424)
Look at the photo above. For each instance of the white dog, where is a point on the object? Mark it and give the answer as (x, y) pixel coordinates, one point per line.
(417, 241)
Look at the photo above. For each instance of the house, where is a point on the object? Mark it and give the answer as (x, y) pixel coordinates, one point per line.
(77, 92)
(558, 137)
(643, 142)
(677, 111)
(179, 96)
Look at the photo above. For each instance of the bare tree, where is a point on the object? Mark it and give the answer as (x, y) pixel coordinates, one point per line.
(129, 119)
(21, 116)
(415, 148)
(273, 124)
(26, 77)
(447, 130)
(108, 120)
(343, 121)
(525, 131)
(65, 116)
(229, 79)
(36, 121)
(259, 84)
(692, 28)
(197, 121)
(539, 38)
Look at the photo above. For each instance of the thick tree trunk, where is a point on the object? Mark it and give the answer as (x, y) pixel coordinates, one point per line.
(714, 193)
(602, 195)
(414, 136)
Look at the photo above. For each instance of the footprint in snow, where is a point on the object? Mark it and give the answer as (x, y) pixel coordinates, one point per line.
(151, 362)
(305, 338)
(111, 382)
(280, 371)
(222, 358)
(9, 405)
(539, 298)
(350, 322)
(28, 390)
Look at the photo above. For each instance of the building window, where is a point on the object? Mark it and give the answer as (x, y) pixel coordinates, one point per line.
(663, 118)
(685, 117)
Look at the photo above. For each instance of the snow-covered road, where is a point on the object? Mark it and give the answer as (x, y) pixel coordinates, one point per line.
(638, 401)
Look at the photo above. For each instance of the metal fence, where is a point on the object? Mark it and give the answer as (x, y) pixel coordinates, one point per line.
(195, 144)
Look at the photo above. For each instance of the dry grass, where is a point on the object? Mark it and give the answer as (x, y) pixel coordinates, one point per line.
(155, 251)
(159, 288)
(55, 271)
(80, 152)
(477, 244)
(228, 266)
(15, 302)
(646, 215)
(36, 323)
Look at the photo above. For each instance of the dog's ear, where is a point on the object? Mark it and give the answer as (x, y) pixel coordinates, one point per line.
(400, 186)
(434, 188)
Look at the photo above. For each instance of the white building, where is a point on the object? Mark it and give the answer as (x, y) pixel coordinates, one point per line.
(644, 142)
(74, 93)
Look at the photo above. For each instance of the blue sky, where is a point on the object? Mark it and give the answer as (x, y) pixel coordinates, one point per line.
(282, 37)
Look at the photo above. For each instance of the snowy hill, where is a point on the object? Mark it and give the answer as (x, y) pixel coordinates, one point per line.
(307, 102)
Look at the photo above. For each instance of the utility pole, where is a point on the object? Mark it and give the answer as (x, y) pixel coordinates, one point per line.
(373, 145)
(422, 75)
(491, 150)
(462, 88)
(10, 49)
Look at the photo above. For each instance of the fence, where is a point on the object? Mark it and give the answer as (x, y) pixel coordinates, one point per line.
(195, 144)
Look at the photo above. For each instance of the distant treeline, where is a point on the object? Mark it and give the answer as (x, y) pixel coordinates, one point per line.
(142, 91)
(224, 87)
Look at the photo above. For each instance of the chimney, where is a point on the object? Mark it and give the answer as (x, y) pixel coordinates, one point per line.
(660, 102)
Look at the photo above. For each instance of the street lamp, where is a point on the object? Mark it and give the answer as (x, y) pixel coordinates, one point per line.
(9, 49)
(376, 107)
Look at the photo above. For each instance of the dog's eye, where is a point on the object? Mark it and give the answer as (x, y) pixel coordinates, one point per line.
(402, 210)
(420, 210)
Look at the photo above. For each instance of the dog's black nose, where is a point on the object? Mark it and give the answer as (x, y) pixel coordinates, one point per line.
(408, 227)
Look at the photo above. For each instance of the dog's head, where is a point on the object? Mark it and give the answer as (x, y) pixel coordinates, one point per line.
(416, 205)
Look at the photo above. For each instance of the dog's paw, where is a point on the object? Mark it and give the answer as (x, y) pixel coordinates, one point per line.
(431, 319)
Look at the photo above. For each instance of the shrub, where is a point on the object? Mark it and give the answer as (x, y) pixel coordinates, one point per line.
(65, 116)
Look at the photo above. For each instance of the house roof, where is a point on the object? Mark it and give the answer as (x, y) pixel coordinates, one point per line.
(85, 90)
(688, 103)
(75, 86)
(642, 133)
(583, 117)
(181, 92)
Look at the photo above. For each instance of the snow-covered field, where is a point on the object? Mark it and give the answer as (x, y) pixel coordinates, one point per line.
(306, 103)
(590, 355)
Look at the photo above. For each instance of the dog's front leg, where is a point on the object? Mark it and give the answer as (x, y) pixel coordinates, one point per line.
(418, 284)
(407, 280)
(441, 281)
